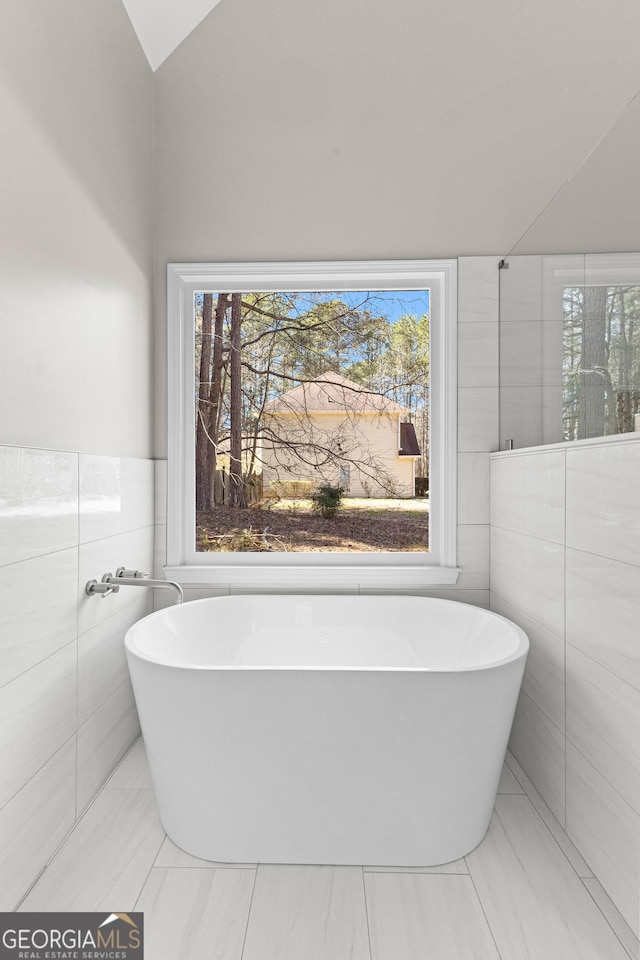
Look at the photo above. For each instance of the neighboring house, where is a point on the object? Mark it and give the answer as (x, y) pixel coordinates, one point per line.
(333, 430)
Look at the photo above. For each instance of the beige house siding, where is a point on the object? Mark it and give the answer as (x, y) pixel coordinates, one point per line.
(368, 441)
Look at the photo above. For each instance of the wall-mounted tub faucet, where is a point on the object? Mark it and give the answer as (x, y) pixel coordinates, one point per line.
(129, 578)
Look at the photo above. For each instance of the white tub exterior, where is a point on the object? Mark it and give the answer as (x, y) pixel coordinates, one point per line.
(326, 729)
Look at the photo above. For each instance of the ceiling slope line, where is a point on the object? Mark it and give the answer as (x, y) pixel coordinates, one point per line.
(575, 172)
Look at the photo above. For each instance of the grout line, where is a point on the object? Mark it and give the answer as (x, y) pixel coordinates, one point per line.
(120, 533)
(32, 885)
(549, 830)
(529, 616)
(37, 556)
(144, 882)
(483, 910)
(366, 913)
(120, 762)
(602, 666)
(40, 768)
(602, 776)
(246, 929)
(38, 663)
(602, 556)
(119, 609)
(529, 536)
(622, 920)
(61, 844)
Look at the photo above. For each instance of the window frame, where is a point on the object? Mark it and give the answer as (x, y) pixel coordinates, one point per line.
(312, 570)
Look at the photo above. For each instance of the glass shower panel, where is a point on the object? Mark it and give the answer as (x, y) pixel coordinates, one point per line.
(569, 347)
(531, 347)
(602, 348)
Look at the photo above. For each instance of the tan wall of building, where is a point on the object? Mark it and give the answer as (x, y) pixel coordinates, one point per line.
(368, 442)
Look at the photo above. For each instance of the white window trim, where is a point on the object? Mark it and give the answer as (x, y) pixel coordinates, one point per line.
(312, 570)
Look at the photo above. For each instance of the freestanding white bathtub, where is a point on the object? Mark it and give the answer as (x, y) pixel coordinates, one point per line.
(326, 729)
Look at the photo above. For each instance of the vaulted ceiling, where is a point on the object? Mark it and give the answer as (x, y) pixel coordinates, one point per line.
(161, 25)
(516, 125)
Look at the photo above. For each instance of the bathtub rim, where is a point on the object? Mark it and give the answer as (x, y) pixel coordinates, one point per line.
(520, 652)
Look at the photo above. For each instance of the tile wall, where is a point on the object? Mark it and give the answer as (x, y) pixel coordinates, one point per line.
(67, 714)
(477, 436)
(565, 565)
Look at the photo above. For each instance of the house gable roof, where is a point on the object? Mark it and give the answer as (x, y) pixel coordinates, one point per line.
(332, 393)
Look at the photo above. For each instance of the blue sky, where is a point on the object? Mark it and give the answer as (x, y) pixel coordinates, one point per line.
(391, 303)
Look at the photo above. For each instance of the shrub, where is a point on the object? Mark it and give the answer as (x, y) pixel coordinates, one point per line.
(327, 500)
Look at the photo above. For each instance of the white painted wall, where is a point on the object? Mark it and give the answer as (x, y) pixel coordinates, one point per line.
(75, 229)
(565, 565)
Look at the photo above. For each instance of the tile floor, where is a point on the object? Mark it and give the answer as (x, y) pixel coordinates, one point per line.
(524, 894)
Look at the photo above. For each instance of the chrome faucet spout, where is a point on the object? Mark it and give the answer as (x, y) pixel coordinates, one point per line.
(147, 582)
(130, 578)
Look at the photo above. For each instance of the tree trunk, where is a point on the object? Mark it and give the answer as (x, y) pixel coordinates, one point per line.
(204, 477)
(215, 399)
(237, 495)
(594, 363)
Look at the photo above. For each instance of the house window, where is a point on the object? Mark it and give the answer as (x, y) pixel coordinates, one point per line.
(288, 381)
(344, 479)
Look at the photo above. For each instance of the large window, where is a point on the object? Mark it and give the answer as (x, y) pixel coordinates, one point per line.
(312, 422)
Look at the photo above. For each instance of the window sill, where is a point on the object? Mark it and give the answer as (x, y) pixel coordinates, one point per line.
(313, 577)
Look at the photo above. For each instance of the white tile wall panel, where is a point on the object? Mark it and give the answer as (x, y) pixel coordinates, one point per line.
(37, 715)
(528, 494)
(544, 675)
(529, 573)
(132, 550)
(603, 612)
(477, 289)
(478, 354)
(473, 556)
(39, 610)
(603, 500)
(116, 495)
(103, 740)
(38, 502)
(477, 419)
(34, 822)
(473, 488)
(102, 664)
(603, 723)
(607, 832)
(539, 745)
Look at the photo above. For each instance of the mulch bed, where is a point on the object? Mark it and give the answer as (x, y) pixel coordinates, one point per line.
(302, 531)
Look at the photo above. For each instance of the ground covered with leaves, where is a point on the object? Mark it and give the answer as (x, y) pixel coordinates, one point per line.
(291, 526)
